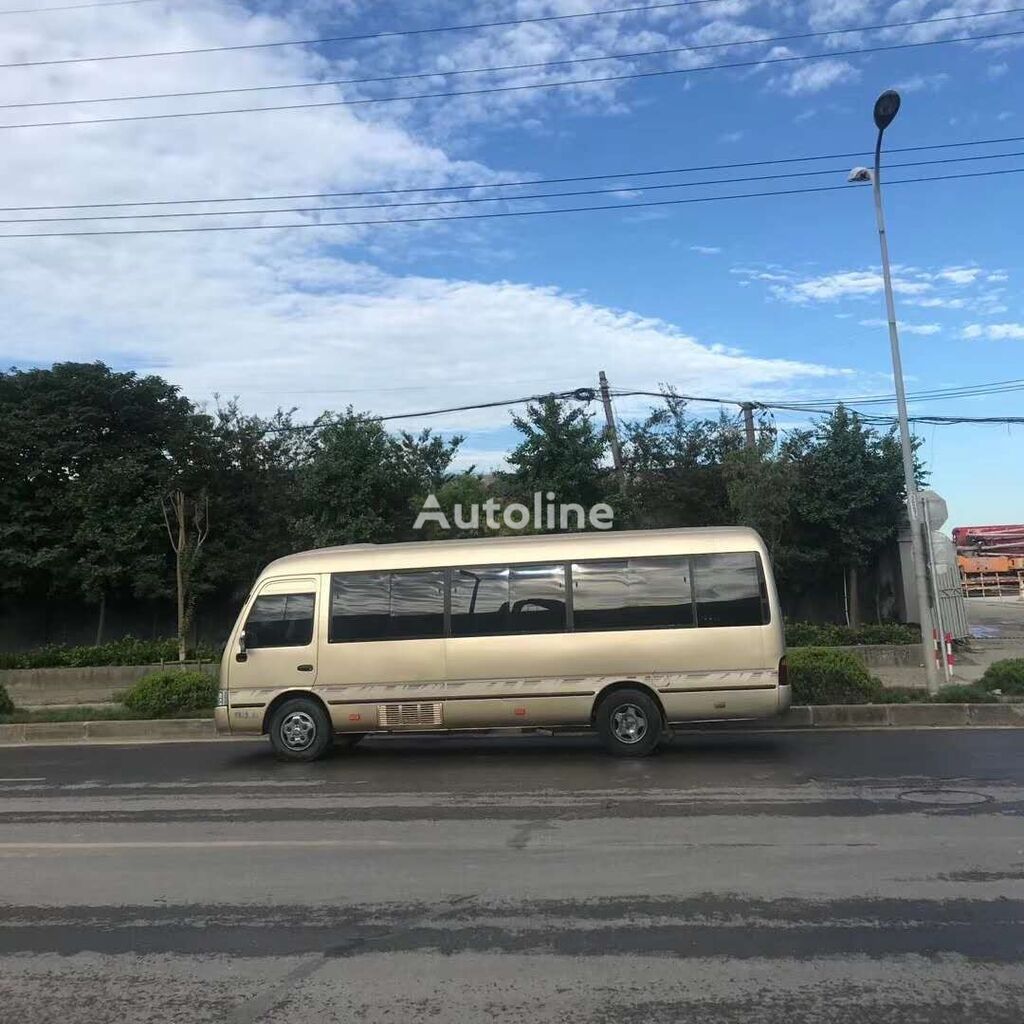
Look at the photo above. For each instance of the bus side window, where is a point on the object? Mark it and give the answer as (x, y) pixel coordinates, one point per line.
(280, 620)
(730, 589)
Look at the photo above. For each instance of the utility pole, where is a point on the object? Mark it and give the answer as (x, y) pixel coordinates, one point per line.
(610, 432)
(886, 107)
(748, 423)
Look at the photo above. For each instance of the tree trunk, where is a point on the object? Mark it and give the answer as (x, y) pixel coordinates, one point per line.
(101, 619)
(853, 598)
(180, 555)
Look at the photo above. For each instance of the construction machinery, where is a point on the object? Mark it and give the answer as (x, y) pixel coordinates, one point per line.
(991, 560)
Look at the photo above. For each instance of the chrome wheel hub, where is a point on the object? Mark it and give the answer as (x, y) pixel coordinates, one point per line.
(629, 723)
(298, 730)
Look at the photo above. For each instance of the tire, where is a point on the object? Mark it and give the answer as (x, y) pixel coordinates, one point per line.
(629, 722)
(300, 730)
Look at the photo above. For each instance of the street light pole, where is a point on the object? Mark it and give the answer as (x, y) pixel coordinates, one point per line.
(886, 107)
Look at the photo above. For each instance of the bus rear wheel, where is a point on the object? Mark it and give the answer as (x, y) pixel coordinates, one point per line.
(300, 730)
(629, 723)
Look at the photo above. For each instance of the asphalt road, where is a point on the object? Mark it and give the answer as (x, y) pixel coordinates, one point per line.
(790, 877)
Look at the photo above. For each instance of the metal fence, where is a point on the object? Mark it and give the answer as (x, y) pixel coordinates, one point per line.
(994, 584)
(952, 609)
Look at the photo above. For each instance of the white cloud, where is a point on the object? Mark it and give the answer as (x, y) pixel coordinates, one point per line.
(997, 70)
(706, 250)
(279, 325)
(298, 316)
(816, 77)
(905, 328)
(731, 137)
(846, 284)
(935, 302)
(994, 332)
(960, 275)
(939, 288)
(919, 83)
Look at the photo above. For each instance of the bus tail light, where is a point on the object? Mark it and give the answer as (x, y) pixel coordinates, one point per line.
(783, 672)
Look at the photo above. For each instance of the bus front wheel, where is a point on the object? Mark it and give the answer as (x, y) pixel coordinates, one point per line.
(301, 730)
(629, 723)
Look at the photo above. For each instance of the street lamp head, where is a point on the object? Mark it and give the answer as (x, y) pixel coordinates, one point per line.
(860, 175)
(886, 108)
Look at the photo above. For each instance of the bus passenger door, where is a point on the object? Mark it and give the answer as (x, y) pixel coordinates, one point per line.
(277, 646)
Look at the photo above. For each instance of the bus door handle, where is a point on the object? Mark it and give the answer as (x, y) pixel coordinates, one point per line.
(305, 668)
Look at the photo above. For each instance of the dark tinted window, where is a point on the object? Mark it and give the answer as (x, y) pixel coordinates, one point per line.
(417, 604)
(660, 593)
(638, 593)
(360, 606)
(730, 590)
(600, 595)
(280, 620)
(537, 595)
(480, 601)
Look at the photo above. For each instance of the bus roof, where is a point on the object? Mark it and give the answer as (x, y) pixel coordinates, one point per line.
(542, 547)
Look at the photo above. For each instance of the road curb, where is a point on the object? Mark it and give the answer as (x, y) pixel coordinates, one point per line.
(830, 716)
(105, 731)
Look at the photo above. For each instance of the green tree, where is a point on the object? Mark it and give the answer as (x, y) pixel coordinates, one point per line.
(361, 483)
(252, 483)
(848, 497)
(560, 452)
(85, 453)
(675, 467)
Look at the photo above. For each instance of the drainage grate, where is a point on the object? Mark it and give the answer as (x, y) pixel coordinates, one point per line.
(407, 716)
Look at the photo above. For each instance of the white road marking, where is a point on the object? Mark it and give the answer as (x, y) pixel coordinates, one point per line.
(40, 779)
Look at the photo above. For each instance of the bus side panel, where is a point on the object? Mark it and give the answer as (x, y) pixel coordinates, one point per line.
(729, 652)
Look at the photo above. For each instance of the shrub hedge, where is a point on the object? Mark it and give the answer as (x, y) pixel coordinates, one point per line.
(822, 676)
(1006, 675)
(127, 651)
(963, 693)
(6, 704)
(165, 694)
(815, 634)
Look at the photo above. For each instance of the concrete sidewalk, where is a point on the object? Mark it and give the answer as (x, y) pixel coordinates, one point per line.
(830, 716)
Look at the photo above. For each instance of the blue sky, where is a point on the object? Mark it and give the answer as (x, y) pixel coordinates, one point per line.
(769, 299)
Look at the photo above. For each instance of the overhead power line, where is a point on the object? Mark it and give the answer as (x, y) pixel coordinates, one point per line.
(565, 62)
(491, 215)
(490, 90)
(589, 394)
(365, 36)
(942, 421)
(422, 189)
(970, 391)
(74, 7)
(820, 404)
(484, 199)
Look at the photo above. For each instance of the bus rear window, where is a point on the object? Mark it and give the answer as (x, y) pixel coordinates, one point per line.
(730, 590)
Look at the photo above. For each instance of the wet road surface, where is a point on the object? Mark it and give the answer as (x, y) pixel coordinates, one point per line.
(785, 877)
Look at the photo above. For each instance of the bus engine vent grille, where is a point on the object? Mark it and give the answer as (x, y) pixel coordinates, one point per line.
(408, 716)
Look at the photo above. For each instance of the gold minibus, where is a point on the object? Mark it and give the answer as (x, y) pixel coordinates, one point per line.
(626, 632)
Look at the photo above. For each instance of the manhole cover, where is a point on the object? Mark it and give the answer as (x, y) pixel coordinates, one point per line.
(947, 797)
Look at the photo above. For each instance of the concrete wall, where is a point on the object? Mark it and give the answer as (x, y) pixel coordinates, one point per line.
(887, 655)
(32, 687)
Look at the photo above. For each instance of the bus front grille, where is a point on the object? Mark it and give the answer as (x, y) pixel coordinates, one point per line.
(408, 716)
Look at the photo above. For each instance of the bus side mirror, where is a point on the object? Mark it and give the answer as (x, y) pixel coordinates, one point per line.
(241, 655)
